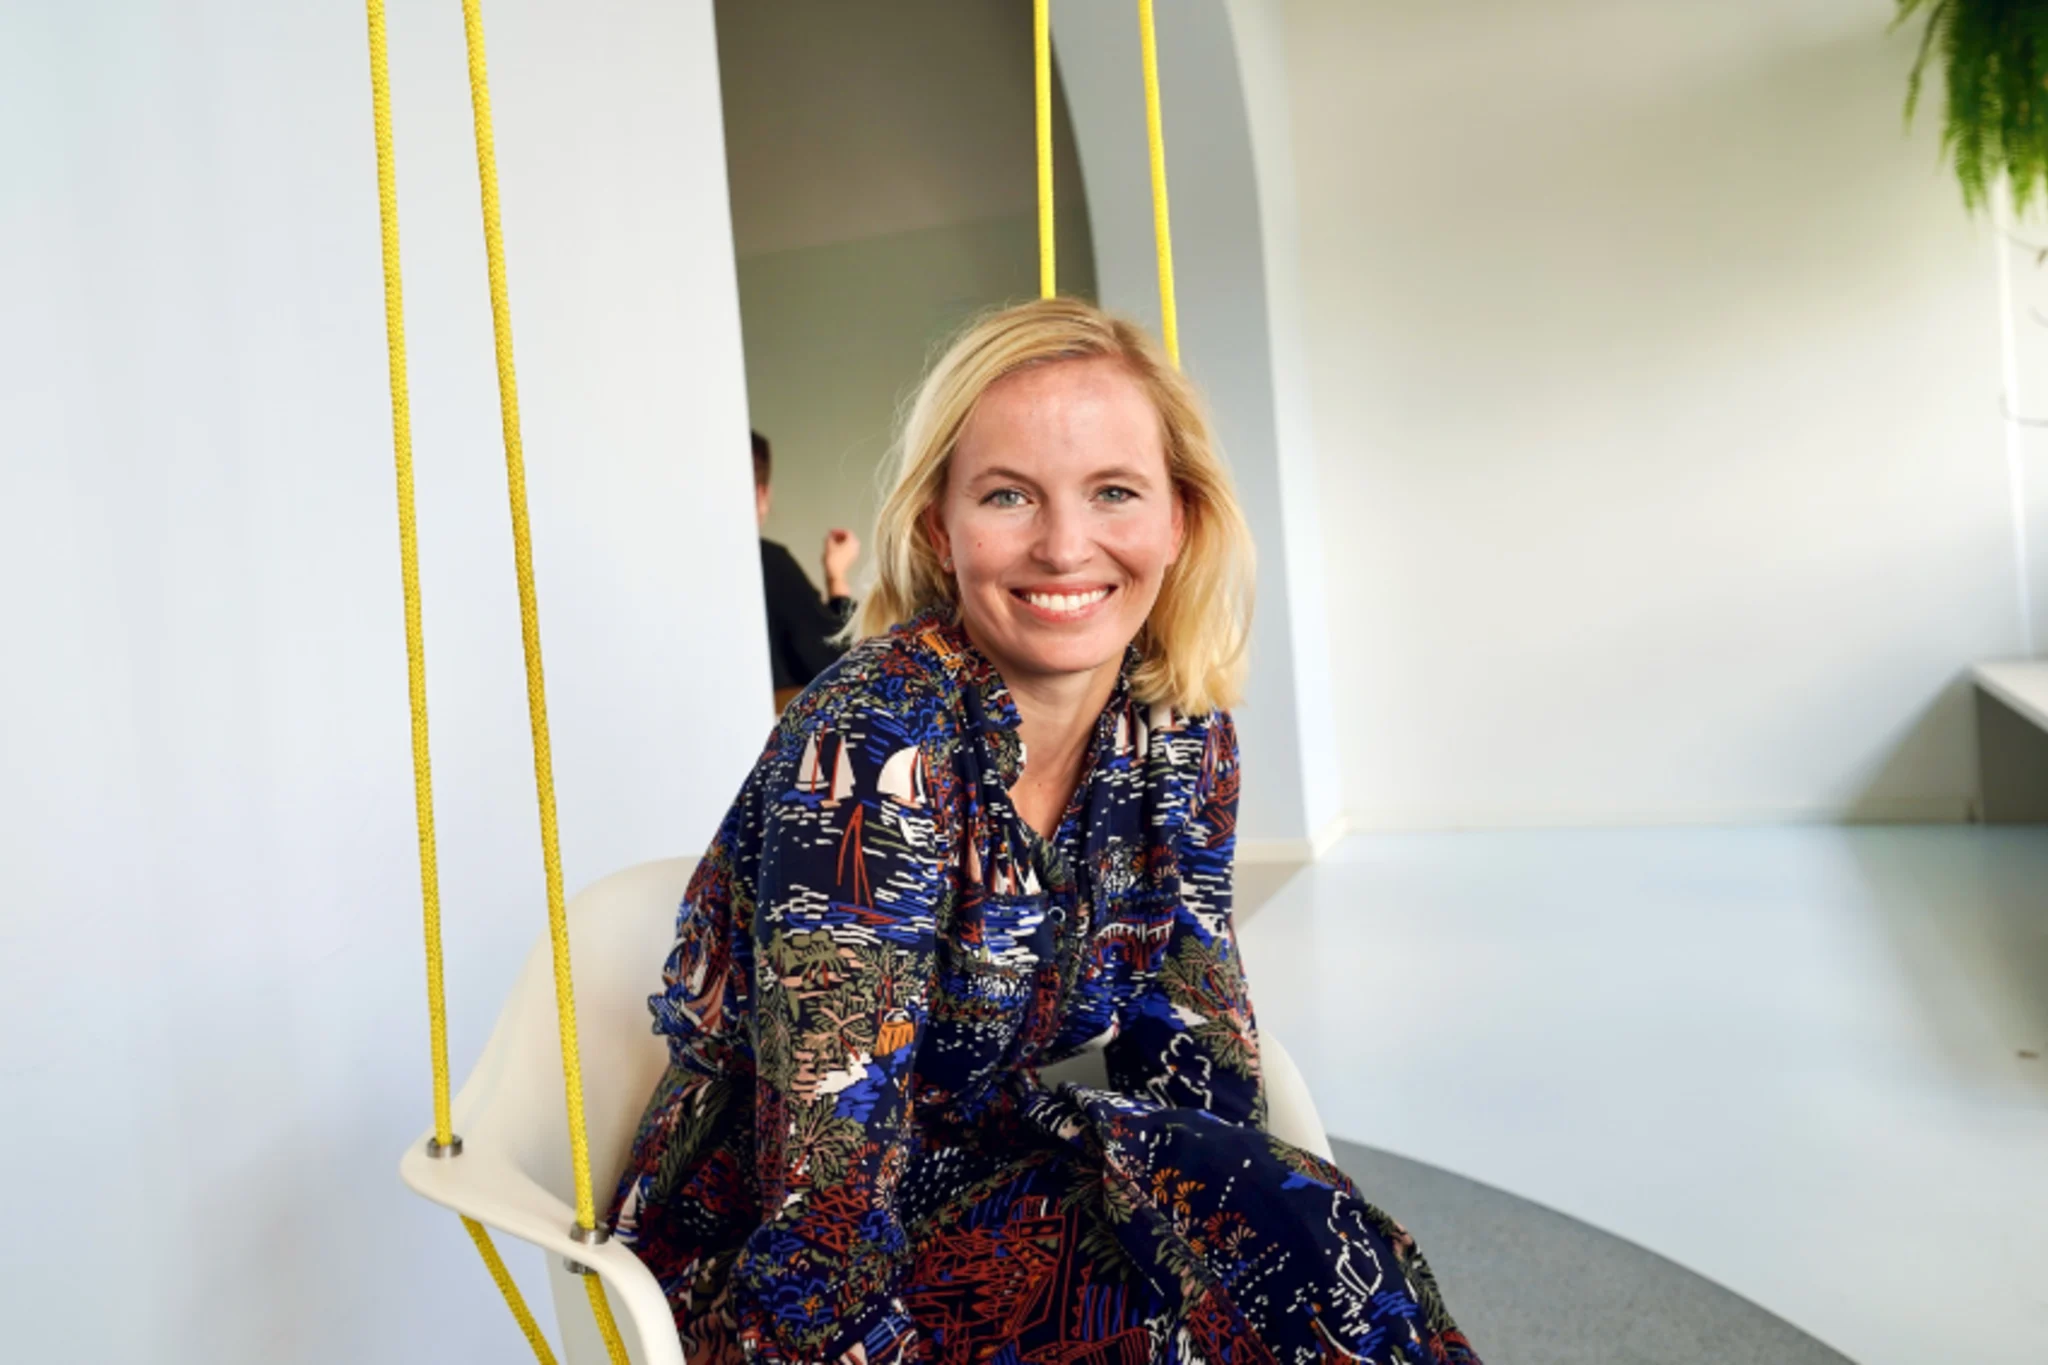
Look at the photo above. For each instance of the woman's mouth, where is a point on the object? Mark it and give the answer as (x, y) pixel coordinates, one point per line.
(1069, 605)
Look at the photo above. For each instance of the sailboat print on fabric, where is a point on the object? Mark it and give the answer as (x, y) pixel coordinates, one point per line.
(903, 779)
(1001, 876)
(1008, 879)
(1123, 745)
(816, 776)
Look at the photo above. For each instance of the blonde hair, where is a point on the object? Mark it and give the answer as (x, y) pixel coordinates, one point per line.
(1193, 644)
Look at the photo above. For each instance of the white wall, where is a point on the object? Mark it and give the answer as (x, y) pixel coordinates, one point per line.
(214, 1033)
(2023, 281)
(1225, 130)
(1657, 387)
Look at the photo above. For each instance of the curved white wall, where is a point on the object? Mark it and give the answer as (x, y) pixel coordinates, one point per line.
(1226, 141)
(214, 1036)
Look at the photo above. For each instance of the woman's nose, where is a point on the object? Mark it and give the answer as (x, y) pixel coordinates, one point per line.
(1063, 540)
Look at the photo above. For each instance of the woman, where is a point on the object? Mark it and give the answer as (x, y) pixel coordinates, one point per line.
(852, 1157)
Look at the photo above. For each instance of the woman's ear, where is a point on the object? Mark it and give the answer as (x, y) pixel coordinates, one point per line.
(935, 533)
(1180, 526)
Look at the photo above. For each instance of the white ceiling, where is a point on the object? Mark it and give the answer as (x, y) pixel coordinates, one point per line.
(847, 120)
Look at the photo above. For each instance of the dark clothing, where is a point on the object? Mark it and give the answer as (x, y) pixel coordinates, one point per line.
(800, 627)
(853, 1154)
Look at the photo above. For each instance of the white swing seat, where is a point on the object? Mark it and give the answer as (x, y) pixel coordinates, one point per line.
(514, 1173)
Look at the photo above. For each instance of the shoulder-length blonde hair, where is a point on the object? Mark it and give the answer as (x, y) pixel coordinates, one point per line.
(1193, 645)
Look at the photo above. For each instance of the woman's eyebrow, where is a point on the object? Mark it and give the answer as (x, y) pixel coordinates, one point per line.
(1004, 474)
(1116, 473)
(1122, 474)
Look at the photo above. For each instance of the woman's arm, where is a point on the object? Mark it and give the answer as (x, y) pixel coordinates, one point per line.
(844, 940)
(1189, 1039)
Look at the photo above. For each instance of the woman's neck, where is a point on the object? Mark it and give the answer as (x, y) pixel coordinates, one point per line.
(1056, 722)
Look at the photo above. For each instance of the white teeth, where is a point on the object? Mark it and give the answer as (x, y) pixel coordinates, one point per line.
(1065, 601)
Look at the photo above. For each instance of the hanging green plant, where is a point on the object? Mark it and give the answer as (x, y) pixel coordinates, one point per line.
(1994, 54)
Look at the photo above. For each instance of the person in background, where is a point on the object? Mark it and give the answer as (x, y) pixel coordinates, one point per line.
(800, 626)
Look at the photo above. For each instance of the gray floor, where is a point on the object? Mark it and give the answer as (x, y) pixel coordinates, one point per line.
(1533, 1287)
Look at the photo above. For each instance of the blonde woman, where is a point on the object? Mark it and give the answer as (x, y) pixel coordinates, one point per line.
(995, 834)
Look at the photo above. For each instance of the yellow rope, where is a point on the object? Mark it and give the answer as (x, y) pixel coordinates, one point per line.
(1162, 232)
(606, 1327)
(415, 648)
(529, 629)
(1041, 42)
(503, 1278)
(409, 567)
(529, 607)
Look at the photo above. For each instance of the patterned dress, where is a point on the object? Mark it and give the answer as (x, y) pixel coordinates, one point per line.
(852, 1156)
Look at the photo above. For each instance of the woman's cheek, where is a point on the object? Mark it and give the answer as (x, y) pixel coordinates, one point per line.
(1145, 550)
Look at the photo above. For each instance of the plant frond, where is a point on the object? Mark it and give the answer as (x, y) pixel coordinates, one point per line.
(1994, 60)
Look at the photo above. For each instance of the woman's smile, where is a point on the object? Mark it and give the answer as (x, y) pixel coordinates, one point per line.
(1063, 603)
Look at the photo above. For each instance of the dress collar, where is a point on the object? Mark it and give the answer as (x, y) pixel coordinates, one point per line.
(940, 633)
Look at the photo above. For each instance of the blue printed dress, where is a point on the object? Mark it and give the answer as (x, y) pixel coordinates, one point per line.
(852, 1156)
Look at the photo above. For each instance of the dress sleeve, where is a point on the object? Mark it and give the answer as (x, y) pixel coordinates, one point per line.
(1188, 1039)
(844, 927)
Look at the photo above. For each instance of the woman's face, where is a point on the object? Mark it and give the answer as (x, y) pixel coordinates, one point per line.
(1059, 517)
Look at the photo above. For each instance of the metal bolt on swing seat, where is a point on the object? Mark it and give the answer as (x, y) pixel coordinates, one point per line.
(590, 1237)
(438, 1151)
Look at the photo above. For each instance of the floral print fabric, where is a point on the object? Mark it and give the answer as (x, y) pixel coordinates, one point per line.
(852, 1157)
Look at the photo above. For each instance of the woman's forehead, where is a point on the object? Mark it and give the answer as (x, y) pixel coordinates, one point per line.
(1067, 416)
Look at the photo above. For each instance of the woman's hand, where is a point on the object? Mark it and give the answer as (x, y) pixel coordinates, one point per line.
(842, 548)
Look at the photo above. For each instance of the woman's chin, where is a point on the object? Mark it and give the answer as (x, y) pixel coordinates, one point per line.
(1074, 655)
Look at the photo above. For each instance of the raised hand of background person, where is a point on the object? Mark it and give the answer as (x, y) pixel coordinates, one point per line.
(842, 548)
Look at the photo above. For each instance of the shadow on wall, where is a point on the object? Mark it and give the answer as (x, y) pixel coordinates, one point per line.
(1940, 737)
(1258, 884)
(1963, 918)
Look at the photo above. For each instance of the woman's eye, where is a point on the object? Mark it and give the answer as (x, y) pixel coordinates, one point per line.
(1118, 494)
(1004, 497)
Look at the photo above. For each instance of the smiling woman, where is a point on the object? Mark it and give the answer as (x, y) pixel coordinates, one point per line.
(1059, 494)
(854, 1156)
(1062, 377)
